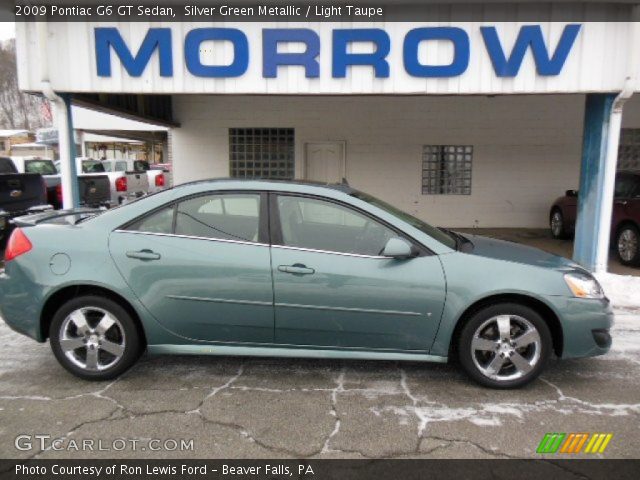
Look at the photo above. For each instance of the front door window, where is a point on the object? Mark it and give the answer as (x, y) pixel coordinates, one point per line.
(322, 225)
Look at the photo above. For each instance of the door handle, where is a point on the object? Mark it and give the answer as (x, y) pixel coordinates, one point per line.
(297, 269)
(144, 255)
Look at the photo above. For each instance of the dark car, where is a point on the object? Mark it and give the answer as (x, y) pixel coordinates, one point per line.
(625, 222)
(20, 194)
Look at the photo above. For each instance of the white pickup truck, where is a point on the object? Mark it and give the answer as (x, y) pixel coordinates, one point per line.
(93, 190)
(125, 186)
(157, 178)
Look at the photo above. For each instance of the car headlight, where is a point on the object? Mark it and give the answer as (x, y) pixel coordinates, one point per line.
(583, 286)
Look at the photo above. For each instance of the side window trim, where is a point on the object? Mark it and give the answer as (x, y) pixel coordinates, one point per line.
(263, 217)
(276, 225)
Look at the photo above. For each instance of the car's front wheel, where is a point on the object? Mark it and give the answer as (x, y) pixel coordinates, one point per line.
(628, 245)
(94, 338)
(504, 345)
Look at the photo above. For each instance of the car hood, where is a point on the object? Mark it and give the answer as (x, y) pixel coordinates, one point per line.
(515, 252)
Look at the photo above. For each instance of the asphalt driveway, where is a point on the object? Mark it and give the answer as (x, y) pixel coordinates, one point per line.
(243, 407)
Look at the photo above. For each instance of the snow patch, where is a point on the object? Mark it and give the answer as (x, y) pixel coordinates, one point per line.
(622, 290)
(486, 422)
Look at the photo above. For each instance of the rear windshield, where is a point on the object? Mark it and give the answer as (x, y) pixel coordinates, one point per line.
(140, 166)
(43, 167)
(115, 166)
(92, 166)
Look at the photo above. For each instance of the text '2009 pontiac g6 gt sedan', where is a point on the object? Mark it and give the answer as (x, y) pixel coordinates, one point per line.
(267, 268)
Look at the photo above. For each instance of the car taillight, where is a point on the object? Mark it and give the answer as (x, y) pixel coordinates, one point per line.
(59, 193)
(160, 180)
(121, 184)
(17, 245)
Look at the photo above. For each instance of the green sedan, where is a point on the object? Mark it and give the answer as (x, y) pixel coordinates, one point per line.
(267, 268)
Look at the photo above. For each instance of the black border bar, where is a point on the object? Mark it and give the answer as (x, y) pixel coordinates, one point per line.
(547, 468)
(312, 11)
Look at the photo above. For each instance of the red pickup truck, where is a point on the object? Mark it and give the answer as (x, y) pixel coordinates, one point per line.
(625, 223)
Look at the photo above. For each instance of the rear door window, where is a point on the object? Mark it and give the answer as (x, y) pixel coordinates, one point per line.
(160, 221)
(217, 216)
(220, 216)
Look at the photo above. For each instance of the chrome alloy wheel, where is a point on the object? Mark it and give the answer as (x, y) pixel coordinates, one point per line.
(506, 347)
(92, 338)
(556, 224)
(627, 244)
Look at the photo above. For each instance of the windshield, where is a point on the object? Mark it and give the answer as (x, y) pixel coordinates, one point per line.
(92, 166)
(43, 167)
(430, 230)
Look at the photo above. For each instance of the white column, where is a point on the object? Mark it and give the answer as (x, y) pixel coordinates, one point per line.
(68, 178)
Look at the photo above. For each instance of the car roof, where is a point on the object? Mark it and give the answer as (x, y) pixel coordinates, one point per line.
(260, 184)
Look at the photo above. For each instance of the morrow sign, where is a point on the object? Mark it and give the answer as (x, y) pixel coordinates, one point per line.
(505, 60)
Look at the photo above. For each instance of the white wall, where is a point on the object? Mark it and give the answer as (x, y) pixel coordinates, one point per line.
(631, 113)
(526, 148)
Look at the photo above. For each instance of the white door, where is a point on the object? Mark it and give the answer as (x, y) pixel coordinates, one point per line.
(325, 162)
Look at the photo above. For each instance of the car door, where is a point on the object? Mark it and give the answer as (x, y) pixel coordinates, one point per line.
(201, 266)
(332, 288)
(626, 204)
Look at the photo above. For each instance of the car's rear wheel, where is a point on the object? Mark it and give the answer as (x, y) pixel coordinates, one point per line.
(505, 345)
(628, 245)
(556, 222)
(94, 338)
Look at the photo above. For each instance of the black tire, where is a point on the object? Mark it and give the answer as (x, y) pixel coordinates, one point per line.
(471, 360)
(128, 340)
(558, 232)
(628, 235)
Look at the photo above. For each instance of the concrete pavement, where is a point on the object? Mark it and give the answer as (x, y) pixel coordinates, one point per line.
(256, 408)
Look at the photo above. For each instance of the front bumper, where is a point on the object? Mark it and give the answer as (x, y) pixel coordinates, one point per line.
(585, 325)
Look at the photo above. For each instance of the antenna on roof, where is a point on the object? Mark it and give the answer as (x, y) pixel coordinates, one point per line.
(344, 181)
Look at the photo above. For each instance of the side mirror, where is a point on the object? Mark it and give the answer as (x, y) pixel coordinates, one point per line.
(399, 249)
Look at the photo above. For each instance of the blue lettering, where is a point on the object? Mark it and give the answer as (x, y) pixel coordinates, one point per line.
(377, 59)
(529, 36)
(156, 38)
(271, 58)
(194, 39)
(460, 61)
(505, 63)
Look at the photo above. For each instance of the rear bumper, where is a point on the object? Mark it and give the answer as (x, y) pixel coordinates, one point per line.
(585, 324)
(19, 306)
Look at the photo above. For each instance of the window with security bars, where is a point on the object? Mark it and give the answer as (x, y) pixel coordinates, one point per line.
(629, 149)
(446, 169)
(262, 153)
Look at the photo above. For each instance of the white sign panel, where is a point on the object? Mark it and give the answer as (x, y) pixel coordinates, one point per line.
(328, 58)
